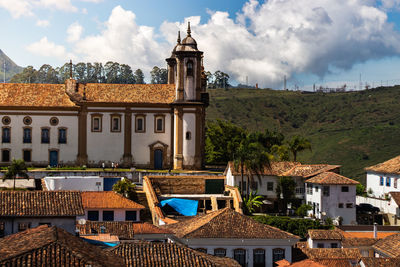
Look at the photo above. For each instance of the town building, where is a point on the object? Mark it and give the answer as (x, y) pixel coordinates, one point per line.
(109, 206)
(134, 125)
(52, 246)
(383, 178)
(227, 233)
(324, 239)
(21, 210)
(332, 195)
(388, 247)
(79, 183)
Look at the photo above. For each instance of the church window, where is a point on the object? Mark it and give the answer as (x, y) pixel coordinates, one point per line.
(53, 121)
(27, 120)
(45, 136)
(6, 135)
(6, 120)
(189, 68)
(115, 123)
(140, 123)
(27, 137)
(96, 122)
(159, 124)
(188, 135)
(62, 135)
(5, 155)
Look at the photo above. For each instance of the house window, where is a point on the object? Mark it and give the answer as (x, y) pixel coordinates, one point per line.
(115, 123)
(96, 123)
(23, 226)
(189, 68)
(27, 137)
(6, 135)
(108, 215)
(340, 205)
(188, 135)
(299, 190)
(259, 258)
(93, 215)
(316, 189)
(27, 155)
(45, 135)
(325, 191)
(278, 254)
(202, 250)
(254, 185)
(388, 181)
(345, 189)
(130, 215)
(320, 245)
(349, 205)
(395, 182)
(239, 255)
(62, 135)
(220, 252)
(5, 155)
(140, 124)
(159, 124)
(381, 181)
(334, 245)
(270, 186)
(309, 189)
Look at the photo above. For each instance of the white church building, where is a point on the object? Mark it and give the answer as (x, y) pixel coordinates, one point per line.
(142, 125)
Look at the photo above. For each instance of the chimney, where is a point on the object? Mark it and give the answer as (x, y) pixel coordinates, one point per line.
(71, 86)
(375, 230)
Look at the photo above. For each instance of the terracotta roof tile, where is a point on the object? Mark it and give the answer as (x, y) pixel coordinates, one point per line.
(390, 166)
(34, 95)
(332, 253)
(331, 178)
(380, 235)
(309, 170)
(358, 242)
(396, 197)
(146, 254)
(389, 245)
(338, 263)
(129, 93)
(277, 168)
(124, 230)
(305, 263)
(41, 245)
(226, 223)
(381, 262)
(107, 200)
(325, 235)
(40, 203)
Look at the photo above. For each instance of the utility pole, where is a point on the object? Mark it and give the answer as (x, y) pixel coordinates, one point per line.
(284, 82)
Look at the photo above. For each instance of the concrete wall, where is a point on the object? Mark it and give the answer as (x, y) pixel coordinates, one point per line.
(378, 190)
(178, 185)
(11, 224)
(40, 152)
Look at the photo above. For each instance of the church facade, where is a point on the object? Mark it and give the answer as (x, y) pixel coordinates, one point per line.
(157, 126)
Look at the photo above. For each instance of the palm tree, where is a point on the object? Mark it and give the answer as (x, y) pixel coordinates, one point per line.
(253, 200)
(297, 144)
(17, 168)
(240, 157)
(124, 187)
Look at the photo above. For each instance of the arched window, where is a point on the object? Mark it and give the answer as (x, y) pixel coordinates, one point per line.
(239, 255)
(220, 252)
(259, 257)
(189, 68)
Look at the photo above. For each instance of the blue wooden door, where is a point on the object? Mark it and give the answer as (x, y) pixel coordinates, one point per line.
(158, 159)
(53, 158)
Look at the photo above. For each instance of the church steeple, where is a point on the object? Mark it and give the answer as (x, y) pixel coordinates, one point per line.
(188, 30)
(179, 37)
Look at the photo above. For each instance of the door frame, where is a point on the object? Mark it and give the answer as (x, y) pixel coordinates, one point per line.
(164, 148)
(58, 156)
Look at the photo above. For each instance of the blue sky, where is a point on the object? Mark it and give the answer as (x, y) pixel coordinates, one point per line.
(309, 41)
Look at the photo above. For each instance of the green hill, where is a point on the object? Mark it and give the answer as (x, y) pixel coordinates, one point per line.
(11, 68)
(353, 129)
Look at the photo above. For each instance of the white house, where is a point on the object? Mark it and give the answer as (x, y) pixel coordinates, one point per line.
(383, 178)
(324, 239)
(21, 210)
(109, 206)
(227, 233)
(143, 125)
(332, 195)
(80, 183)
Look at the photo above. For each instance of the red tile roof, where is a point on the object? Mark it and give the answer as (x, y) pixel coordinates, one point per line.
(277, 168)
(332, 253)
(381, 262)
(146, 254)
(40, 203)
(358, 242)
(226, 223)
(45, 246)
(325, 234)
(331, 178)
(128, 93)
(391, 166)
(107, 200)
(309, 170)
(396, 197)
(34, 95)
(389, 246)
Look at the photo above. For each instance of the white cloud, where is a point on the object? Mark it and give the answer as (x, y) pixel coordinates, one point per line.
(46, 48)
(42, 23)
(92, 1)
(74, 32)
(18, 8)
(64, 5)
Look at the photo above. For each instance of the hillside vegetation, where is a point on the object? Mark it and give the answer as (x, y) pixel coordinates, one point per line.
(11, 67)
(353, 129)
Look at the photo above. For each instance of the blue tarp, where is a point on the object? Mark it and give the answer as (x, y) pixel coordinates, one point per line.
(185, 207)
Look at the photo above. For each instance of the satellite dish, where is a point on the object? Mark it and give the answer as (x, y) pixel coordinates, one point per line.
(81, 221)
